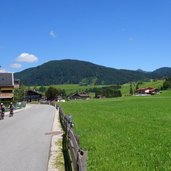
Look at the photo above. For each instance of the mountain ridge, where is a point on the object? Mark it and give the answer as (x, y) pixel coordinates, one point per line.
(69, 71)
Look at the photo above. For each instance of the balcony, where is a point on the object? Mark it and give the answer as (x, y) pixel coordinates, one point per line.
(6, 95)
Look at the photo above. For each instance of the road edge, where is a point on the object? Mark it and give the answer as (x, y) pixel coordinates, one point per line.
(56, 159)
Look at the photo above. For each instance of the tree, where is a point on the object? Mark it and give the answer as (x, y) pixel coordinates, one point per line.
(51, 93)
(108, 92)
(62, 93)
(131, 89)
(137, 86)
(42, 89)
(167, 84)
(19, 94)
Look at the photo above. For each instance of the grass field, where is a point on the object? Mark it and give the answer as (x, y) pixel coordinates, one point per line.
(72, 88)
(124, 134)
(125, 88)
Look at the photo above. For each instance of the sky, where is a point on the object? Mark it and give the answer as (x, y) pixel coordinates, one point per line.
(121, 34)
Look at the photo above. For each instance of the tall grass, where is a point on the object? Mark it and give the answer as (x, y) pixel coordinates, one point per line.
(128, 133)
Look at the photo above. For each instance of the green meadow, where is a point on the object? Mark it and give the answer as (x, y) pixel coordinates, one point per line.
(124, 134)
(125, 88)
(70, 88)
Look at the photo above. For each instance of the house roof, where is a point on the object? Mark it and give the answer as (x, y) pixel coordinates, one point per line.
(6, 79)
(80, 95)
(33, 92)
(149, 88)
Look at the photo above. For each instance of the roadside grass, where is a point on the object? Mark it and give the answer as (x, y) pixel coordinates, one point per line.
(128, 133)
(60, 159)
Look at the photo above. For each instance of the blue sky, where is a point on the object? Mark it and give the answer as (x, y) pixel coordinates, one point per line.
(122, 34)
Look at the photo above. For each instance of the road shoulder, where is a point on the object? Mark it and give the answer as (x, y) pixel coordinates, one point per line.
(56, 160)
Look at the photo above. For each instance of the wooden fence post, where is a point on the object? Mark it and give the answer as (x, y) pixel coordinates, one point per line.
(78, 156)
(82, 160)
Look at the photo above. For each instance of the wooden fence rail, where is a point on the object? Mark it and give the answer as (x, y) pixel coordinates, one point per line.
(78, 156)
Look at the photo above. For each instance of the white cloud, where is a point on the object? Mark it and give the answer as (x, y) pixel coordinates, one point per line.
(15, 65)
(52, 34)
(3, 70)
(26, 57)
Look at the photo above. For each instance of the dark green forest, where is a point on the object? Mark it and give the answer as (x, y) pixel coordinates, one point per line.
(84, 73)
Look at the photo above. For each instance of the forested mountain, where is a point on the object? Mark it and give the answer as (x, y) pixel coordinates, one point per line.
(163, 72)
(74, 71)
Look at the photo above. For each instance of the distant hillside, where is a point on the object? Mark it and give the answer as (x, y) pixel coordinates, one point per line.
(163, 72)
(75, 71)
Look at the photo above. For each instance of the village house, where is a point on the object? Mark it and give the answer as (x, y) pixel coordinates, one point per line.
(147, 91)
(60, 99)
(7, 87)
(82, 96)
(32, 95)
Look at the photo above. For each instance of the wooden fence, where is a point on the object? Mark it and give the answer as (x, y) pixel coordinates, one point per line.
(77, 155)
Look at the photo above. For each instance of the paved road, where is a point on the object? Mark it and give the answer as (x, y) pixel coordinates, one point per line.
(24, 145)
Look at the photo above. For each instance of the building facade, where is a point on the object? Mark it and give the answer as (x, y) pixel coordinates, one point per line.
(6, 87)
